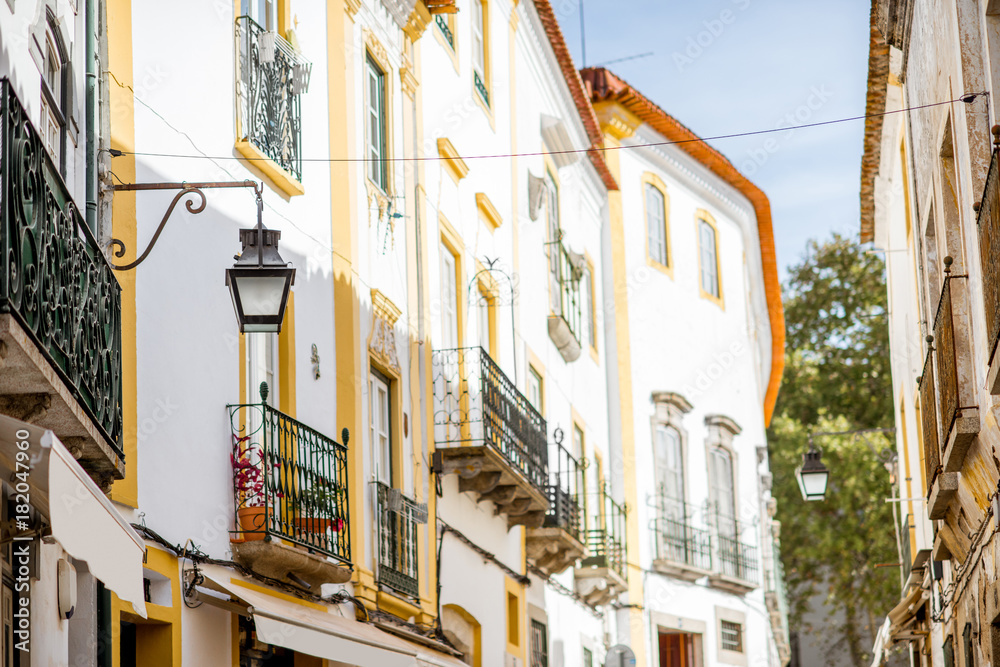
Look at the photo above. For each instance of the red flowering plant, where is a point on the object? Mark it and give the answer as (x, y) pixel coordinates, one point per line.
(248, 471)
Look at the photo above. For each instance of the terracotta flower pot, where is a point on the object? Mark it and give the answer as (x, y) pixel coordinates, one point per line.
(252, 522)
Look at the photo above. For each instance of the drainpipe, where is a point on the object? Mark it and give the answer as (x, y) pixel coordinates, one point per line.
(91, 113)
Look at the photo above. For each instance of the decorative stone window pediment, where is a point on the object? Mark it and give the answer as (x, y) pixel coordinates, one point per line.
(670, 407)
(721, 429)
(382, 340)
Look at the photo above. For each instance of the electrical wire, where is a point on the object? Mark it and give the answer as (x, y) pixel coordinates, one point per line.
(967, 98)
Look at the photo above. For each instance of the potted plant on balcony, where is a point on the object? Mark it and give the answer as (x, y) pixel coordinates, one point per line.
(248, 480)
(316, 507)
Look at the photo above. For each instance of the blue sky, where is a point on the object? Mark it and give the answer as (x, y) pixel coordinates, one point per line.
(727, 66)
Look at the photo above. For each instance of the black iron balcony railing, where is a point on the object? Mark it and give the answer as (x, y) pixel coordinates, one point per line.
(475, 404)
(929, 423)
(290, 481)
(271, 78)
(737, 559)
(442, 23)
(606, 534)
(54, 279)
(565, 492)
(904, 543)
(398, 518)
(988, 223)
(946, 361)
(676, 536)
(565, 273)
(481, 88)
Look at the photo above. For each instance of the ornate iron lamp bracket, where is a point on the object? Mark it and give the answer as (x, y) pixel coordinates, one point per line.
(192, 207)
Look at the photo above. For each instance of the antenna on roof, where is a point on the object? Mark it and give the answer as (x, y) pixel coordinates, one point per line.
(647, 54)
(583, 39)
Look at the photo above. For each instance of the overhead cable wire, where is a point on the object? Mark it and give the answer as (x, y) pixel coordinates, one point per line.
(967, 98)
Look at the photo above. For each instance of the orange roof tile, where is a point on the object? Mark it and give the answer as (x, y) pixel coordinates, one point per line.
(576, 87)
(606, 86)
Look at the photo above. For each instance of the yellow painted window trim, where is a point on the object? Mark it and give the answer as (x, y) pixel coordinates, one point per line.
(477, 633)
(651, 179)
(488, 211)
(377, 52)
(278, 177)
(700, 216)
(456, 166)
(515, 590)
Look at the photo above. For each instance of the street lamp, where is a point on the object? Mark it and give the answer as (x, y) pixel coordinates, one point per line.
(260, 280)
(813, 476)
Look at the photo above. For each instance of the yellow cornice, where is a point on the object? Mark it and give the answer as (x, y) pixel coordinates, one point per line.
(456, 165)
(616, 120)
(489, 212)
(352, 7)
(384, 307)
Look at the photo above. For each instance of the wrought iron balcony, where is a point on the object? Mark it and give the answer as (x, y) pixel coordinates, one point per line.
(566, 320)
(683, 545)
(398, 518)
(60, 305)
(737, 564)
(488, 430)
(602, 575)
(988, 225)
(442, 23)
(559, 542)
(929, 424)
(290, 486)
(957, 410)
(272, 75)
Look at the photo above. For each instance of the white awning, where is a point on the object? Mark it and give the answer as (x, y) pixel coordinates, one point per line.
(82, 519)
(881, 642)
(323, 634)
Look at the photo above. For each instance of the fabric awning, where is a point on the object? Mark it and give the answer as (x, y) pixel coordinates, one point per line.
(323, 634)
(881, 642)
(82, 519)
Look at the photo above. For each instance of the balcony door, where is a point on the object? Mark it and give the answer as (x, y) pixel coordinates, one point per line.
(669, 463)
(724, 493)
(264, 12)
(677, 649)
(261, 366)
(380, 435)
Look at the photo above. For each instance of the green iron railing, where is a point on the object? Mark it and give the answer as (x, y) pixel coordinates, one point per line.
(290, 480)
(398, 518)
(442, 24)
(481, 88)
(606, 534)
(54, 279)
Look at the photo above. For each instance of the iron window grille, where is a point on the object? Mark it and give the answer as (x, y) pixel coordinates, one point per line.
(289, 481)
(565, 492)
(732, 636)
(477, 405)
(54, 278)
(539, 644)
(566, 272)
(272, 76)
(398, 518)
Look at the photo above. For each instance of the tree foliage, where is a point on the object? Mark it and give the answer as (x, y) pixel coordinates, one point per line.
(837, 378)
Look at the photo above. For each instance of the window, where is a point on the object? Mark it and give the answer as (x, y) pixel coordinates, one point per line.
(464, 632)
(480, 44)
(709, 259)
(968, 646)
(589, 319)
(487, 320)
(377, 165)
(380, 435)
(535, 395)
(54, 99)
(539, 644)
(262, 364)
(723, 492)
(656, 225)
(264, 12)
(732, 636)
(588, 658)
(554, 241)
(449, 299)
(513, 620)
(949, 653)
(669, 464)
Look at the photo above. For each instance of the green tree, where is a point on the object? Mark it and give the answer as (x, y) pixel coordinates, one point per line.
(837, 378)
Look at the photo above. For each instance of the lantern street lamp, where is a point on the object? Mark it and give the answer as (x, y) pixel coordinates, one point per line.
(260, 280)
(813, 476)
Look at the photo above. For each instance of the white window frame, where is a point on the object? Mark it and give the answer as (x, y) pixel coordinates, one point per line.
(262, 360)
(380, 426)
(376, 122)
(656, 225)
(710, 283)
(450, 334)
